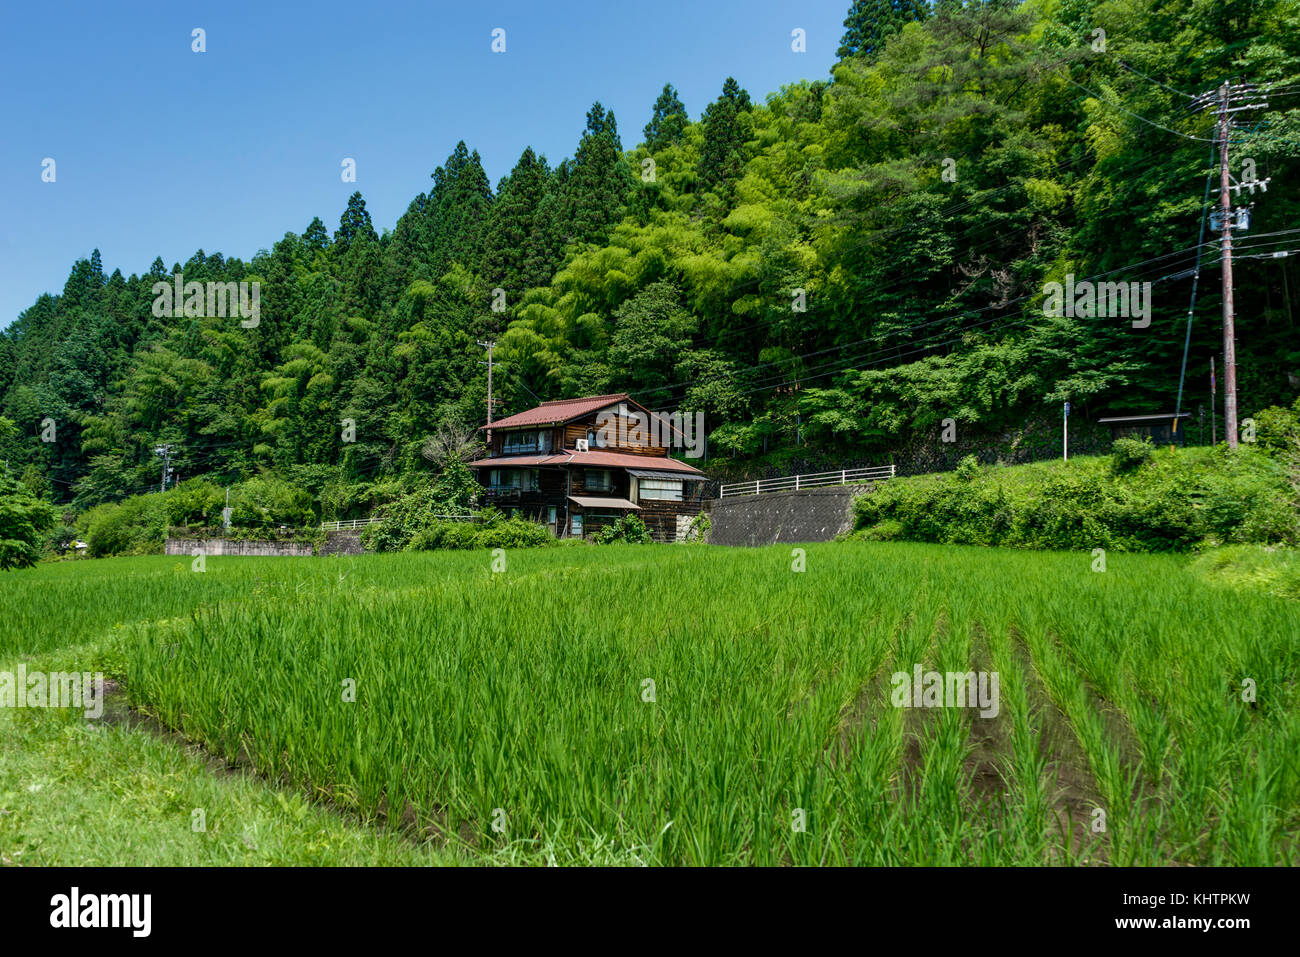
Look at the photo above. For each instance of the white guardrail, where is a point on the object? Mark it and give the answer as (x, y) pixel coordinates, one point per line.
(793, 483)
(363, 522)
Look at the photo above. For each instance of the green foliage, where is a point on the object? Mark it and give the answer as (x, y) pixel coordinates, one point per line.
(628, 530)
(136, 526)
(24, 521)
(503, 533)
(1128, 455)
(1277, 429)
(267, 501)
(700, 528)
(354, 225)
(195, 502)
(722, 155)
(404, 519)
(668, 121)
(871, 22)
(1179, 501)
(968, 469)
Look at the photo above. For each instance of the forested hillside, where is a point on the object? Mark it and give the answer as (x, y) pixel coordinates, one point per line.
(843, 265)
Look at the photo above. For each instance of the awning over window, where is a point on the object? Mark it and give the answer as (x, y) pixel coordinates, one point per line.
(596, 501)
(654, 473)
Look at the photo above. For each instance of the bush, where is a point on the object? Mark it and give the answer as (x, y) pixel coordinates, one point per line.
(408, 517)
(136, 526)
(1128, 455)
(505, 533)
(629, 529)
(1278, 429)
(1176, 502)
(887, 531)
(968, 469)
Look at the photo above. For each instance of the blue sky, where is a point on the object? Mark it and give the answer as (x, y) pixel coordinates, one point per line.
(160, 151)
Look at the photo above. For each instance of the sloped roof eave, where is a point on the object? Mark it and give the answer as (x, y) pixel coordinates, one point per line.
(597, 459)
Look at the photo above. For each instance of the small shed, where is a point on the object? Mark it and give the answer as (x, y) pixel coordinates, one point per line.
(1166, 428)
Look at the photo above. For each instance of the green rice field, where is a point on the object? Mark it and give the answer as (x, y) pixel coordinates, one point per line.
(703, 706)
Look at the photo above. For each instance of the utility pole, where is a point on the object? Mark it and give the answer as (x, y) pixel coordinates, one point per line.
(489, 345)
(1225, 250)
(1231, 97)
(1214, 435)
(166, 452)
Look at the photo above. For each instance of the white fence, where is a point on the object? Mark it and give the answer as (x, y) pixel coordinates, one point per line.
(793, 483)
(363, 522)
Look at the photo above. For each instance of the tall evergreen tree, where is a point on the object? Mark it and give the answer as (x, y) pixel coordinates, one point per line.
(597, 190)
(722, 157)
(314, 238)
(871, 22)
(354, 222)
(457, 211)
(667, 122)
(511, 223)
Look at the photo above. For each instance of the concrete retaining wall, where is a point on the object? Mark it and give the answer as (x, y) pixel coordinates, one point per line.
(228, 546)
(809, 515)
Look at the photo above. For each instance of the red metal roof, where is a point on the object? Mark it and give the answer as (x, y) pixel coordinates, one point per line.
(558, 411)
(594, 459)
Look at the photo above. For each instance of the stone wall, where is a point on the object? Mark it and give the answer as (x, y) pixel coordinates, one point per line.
(344, 541)
(809, 515)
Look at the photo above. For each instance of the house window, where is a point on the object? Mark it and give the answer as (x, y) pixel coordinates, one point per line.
(523, 480)
(550, 516)
(517, 442)
(599, 480)
(666, 490)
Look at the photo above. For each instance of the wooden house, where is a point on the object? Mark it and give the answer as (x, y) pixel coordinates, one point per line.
(577, 465)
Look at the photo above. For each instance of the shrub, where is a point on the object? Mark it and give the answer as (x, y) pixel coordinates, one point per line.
(502, 533)
(1128, 455)
(889, 530)
(406, 518)
(136, 526)
(1278, 429)
(1175, 502)
(629, 529)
